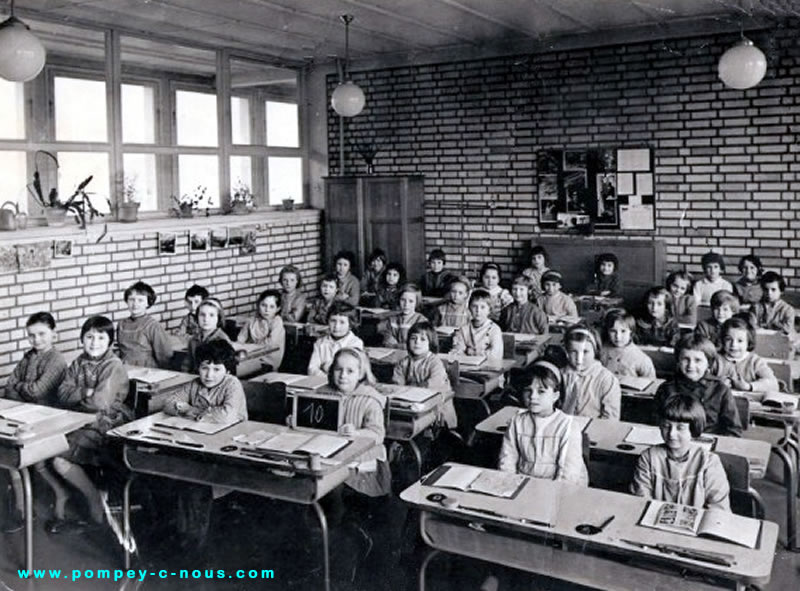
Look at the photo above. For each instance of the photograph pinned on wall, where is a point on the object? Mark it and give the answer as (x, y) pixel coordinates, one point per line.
(576, 191)
(548, 162)
(36, 255)
(249, 244)
(167, 243)
(219, 237)
(236, 236)
(199, 241)
(606, 160)
(62, 249)
(575, 160)
(8, 259)
(606, 199)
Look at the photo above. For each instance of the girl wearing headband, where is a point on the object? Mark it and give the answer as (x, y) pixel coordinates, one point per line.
(590, 389)
(210, 319)
(542, 441)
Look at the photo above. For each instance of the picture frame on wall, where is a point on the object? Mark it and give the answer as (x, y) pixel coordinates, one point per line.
(62, 249)
(219, 237)
(199, 241)
(167, 243)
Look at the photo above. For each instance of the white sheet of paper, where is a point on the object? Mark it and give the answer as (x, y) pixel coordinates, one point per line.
(633, 159)
(624, 183)
(644, 183)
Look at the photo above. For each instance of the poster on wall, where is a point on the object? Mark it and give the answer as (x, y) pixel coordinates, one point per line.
(8, 259)
(579, 187)
(62, 249)
(35, 255)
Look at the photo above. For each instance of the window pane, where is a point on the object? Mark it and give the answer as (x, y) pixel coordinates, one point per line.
(197, 118)
(138, 114)
(14, 178)
(285, 180)
(140, 180)
(241, 171)
(80, 110)
(199, 171)
(282, 127)
(73, 170)
(12, 110)
(240, 120)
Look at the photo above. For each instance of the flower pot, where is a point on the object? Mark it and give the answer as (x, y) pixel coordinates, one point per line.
(186, 211)
(239, 208)
(288, 204)
(129, 212)
(55, 216)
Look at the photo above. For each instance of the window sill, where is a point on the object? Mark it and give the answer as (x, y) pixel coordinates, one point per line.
(161, 224)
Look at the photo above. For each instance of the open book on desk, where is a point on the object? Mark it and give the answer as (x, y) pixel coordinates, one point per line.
(708, 523)
(184, 424)
(30, 414)
(478, 480)
(292, 442)
(635, 384)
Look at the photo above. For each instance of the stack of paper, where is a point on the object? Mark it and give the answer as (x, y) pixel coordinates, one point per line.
(149, 375)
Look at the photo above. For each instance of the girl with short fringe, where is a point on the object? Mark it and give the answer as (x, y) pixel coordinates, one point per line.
(619, 354)
(748, 286)
(657, 326)
(266, 328)
(738, 366)
(590, 389)
(373, 273)
(391, 283)
(349, 288)
(141, 339)
(684, 306)
(542, 441)
(293, 300)
(210, 318)
(394, 330)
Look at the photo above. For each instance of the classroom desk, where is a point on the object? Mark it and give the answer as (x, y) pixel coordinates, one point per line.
(149, 394)
(44, 440)
(246, 352)
(285, 477)
(602, 561)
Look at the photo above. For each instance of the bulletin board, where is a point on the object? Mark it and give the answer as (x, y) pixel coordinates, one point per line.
(612, 188)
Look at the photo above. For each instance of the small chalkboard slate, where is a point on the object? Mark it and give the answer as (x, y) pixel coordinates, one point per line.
(315, 411)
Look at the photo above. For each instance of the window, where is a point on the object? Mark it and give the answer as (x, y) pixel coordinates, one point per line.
(138, 114)
(80, 106)
(75, 167)
(240, 120)
(12, 110)
(241, 171)
(140, 180)
(199, 171)
(282, 128)
(196, 114)
(285, 180)
(14, 178)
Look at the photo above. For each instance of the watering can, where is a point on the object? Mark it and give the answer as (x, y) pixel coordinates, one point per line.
(9, 213)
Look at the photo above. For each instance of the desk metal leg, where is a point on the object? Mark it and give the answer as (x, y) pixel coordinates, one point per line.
(790, 482)
(126, 518)
(424, 567)
(417, 457)
(323, 522)
(27, 493)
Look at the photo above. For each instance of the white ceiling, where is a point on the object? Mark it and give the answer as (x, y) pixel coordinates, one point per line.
(296, 30)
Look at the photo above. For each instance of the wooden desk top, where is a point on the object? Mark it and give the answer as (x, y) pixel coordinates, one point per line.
(176, 379)
(497, 423)
(577, 505)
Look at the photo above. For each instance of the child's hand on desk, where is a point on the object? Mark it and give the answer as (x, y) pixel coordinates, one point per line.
(347, 429)
(186, 410)
(241, 355)
(738, 383)
(88, 393)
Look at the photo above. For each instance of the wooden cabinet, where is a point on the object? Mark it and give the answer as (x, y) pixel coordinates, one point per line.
(367, 212)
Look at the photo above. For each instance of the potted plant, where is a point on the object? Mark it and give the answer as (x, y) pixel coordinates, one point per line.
(55, 210)
(129, 208)
(242, 199)
(187, 204)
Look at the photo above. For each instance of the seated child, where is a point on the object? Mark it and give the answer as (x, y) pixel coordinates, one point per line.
(657, 326)
(554, 303)
(678, 470)
(34, 379)
(535, 272)
(362, 416)
(318, 313)
(542, 441)
(210, 319)
(522, 315)
(96, 382)
(619, 354)
(142, 341)
(394, 330)
(293, 300)
(392, 281)
(748, 286)
(455, 311)
(423, 368)
(188, 326)
(724, 305)
(490, 281)
(341, 318)
(373, 274)
(713, 267)
(216, 394)
(694, 355)
(480, 336)
(607, 282)
(684, 306)
(436, 280)
(347, 283)
(738, 367)
(590, 390)
(37, 375)
(266, 328)
(772, 312)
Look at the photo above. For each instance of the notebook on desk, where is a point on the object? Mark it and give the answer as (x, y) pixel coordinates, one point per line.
(408, 393)
(30, 414)
(292, 442)
(379, 353)
(478, 480)
(205, 427)
(708, 523)
(635, 384)
(149, 375)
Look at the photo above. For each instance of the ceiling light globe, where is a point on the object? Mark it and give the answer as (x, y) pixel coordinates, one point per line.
(348, 99)
(22, 55)
(742, 66)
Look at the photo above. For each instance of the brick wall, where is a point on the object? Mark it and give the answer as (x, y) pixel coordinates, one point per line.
(725, 160)
(94, 279)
